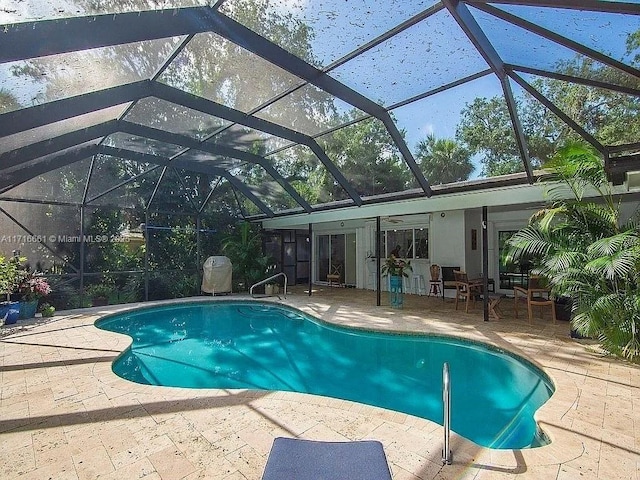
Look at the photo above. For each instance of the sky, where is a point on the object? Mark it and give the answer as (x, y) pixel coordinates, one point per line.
(430, 54)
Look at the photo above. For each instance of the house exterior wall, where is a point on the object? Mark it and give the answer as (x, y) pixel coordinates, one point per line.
(450, 220)
(473, 250)
(446, 236)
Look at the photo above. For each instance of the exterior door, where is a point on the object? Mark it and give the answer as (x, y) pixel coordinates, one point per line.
(337, 251)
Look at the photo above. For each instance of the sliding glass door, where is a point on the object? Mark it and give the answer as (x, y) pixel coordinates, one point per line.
(512, 273)
(336, 254)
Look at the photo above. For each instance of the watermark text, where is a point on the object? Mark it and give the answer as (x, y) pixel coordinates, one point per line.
(63, 239)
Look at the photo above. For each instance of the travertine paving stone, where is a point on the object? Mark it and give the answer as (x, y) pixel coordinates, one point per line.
(65, 415)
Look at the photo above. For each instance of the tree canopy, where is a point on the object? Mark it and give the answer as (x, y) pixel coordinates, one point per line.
(444, 160)
(609, 116)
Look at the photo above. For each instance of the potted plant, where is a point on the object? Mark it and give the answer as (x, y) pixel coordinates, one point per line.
(10, 274)
(586, 251)
(271, 288)
(396, 269)
(99, 293)
(32, 288)
(47, 310)
(395, 266)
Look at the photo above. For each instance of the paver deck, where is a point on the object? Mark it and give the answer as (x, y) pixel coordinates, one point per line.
(65, 415)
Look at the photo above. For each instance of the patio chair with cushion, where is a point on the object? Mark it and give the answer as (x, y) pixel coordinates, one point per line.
(297, 459)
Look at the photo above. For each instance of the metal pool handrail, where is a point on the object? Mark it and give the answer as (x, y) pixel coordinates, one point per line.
(262, 282)
(446, 405)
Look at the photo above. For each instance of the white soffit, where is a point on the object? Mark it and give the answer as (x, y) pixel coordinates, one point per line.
(513, 195)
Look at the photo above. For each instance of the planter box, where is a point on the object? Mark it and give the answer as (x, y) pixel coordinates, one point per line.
(563, 313)
(28, 309)
(396, 298)
(563, 309)
(271, 289)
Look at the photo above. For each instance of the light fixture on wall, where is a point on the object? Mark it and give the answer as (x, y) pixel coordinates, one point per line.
(442, 214)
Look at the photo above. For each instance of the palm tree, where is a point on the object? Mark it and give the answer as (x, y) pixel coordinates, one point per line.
(443, 160)
(586, 251)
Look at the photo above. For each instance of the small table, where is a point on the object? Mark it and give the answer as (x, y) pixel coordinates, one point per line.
(494, 298)
(494, 301)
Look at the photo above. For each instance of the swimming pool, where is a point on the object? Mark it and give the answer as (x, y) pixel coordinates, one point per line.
(255, 345)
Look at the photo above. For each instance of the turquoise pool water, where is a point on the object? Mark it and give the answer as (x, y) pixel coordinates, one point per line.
(265, 346)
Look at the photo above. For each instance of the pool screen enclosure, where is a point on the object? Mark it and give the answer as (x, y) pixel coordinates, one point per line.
(167, 121)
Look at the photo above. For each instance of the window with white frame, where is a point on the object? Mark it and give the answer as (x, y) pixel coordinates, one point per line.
(411, 242)
(421, 242)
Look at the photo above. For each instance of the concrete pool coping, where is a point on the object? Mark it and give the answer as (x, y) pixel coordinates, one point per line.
(64, 413)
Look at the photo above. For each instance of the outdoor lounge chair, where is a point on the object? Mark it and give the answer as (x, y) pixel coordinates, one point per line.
(297, 459)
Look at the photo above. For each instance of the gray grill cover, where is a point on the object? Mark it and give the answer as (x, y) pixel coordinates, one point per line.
(217, 275)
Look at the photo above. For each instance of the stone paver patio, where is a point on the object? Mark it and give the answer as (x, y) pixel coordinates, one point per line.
(65, 415)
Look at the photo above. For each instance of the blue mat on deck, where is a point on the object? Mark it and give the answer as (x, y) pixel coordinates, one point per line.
(295, 459)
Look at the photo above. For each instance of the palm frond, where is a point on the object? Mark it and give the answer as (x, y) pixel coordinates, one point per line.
(579, 166)
(610, 245)
(585, 252)
(528, 242)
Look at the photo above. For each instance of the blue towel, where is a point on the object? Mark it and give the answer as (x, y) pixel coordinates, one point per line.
(296, 459)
